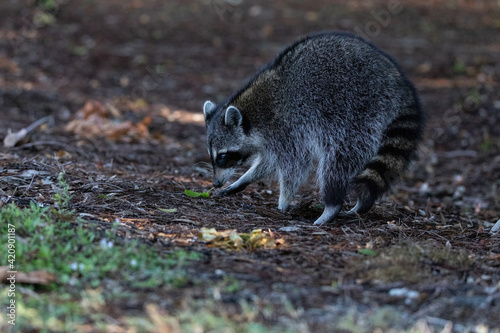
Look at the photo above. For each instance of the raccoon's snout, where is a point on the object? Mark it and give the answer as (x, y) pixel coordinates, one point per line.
(222, 175)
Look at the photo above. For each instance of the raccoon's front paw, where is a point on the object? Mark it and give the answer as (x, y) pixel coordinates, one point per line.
(223, 193)
(232, 189)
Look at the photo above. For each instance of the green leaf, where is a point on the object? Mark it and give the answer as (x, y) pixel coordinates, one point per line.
(168, 210)
(368, 252)
(194, 194)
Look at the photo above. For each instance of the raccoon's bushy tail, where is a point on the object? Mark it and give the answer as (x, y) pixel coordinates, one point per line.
(397, 149)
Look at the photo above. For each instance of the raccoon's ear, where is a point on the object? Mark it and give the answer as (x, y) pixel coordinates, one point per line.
(233, 117)
(208, 108)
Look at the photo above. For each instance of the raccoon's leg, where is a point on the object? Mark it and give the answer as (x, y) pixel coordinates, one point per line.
(395, 153)
(288, 189)
(333, 197)
(286, 196)
(291, 176)
(333, 188)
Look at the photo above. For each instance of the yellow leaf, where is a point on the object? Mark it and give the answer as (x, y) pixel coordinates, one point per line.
(207, 234)
(236, 239)
(233, 240)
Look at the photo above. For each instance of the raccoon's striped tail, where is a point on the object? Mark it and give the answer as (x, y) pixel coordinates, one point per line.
(397, 149)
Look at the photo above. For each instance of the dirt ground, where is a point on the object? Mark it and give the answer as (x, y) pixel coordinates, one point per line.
(144, 69)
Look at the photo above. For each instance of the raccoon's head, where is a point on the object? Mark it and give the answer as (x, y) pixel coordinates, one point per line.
(228, 145)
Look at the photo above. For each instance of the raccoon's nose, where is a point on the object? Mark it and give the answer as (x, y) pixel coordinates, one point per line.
(217, 183)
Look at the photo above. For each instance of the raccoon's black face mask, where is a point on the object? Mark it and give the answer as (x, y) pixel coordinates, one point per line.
(225, 141)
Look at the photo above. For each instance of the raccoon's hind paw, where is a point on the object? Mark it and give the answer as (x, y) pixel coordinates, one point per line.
(328, 215)
(362, 206)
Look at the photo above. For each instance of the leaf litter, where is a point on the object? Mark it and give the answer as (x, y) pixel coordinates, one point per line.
(95, 120)
(232, 240)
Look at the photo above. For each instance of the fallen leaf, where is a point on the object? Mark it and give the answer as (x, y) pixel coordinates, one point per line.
(235, 239)
(62, 154)
(368, 252)
(168, 210)
(93, 108)
(35, 277)
(95, 119)
(194, 194)
(207, 234)
(231, 239)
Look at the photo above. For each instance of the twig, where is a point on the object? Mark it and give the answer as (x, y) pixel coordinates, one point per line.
(29, 186)
(40, 143)
(185, 221)
(13, 139)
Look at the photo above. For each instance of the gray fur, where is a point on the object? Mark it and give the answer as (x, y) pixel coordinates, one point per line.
(233, 117)
(208, 108)
(331, 102)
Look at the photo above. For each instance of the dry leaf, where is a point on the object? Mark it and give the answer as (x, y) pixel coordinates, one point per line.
(93, 108)
(94, 120)
(35, 277)
(231, 239)
(63, 154)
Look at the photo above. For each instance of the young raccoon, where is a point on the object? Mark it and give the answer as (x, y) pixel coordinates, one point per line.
(330, 102)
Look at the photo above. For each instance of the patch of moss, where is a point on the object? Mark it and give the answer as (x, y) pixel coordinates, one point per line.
(409, 262)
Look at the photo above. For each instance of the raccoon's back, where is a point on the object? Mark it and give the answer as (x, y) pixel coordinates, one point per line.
(340, 77)
(334, 86)
(330, 77)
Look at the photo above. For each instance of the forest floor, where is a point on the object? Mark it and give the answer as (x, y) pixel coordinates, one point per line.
(122, 84)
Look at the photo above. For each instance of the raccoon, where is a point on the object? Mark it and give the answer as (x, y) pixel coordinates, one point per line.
(331, 102)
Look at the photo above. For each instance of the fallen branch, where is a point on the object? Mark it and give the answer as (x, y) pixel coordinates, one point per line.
(12, 139)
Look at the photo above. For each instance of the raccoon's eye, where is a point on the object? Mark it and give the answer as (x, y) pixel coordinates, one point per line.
(228, 160)
(221, 160)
